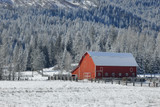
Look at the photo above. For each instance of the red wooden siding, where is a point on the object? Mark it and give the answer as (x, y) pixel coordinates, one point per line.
(115, 71)
(86, 68)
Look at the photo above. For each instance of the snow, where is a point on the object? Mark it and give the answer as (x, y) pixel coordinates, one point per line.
(37, 75)
(148, 75)
(75, 94)
(27, 75)
(113, 59)
(86, 2)
(51, 71)
(74, 64)
(60, 3)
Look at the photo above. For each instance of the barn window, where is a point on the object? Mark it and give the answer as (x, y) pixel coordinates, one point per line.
(113, 74)
(126, 74)
(106, 74)
(99, 74)
(131, 69)
(133, 74)
(101, 68)
(120, 74)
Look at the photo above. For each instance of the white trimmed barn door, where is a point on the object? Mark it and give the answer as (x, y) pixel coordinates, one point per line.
(87, 75)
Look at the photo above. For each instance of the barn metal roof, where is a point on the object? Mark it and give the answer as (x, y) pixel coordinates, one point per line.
(113, 59)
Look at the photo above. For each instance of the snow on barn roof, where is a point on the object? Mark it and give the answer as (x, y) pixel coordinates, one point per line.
(113, 59)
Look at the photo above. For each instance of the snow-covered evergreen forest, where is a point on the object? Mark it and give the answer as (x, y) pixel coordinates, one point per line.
(35, 37)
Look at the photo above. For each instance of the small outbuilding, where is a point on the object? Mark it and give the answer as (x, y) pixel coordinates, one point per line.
(105, 64)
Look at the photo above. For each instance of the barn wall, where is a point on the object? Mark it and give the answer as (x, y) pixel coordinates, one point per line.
(86, 69)
(104, 70)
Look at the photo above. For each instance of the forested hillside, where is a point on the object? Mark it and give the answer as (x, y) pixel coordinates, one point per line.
(34, 37)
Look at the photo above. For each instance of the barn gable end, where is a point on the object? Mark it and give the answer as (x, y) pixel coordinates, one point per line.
(86, 68)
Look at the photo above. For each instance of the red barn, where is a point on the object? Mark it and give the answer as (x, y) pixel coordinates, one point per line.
(104, 64)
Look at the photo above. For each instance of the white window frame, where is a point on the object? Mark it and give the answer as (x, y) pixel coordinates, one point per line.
(113, 74)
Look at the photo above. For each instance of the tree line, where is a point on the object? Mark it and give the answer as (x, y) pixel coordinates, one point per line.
(34, 38)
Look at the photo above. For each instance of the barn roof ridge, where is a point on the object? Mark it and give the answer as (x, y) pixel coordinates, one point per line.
(111, 53)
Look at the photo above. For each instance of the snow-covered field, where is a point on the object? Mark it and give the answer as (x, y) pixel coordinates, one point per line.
(75, 94)
(148, 75)
(51, 71)
(29, 75)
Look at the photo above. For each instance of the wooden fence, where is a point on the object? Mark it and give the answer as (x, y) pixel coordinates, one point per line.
(138, 81)
(142, 82)
(63, 77)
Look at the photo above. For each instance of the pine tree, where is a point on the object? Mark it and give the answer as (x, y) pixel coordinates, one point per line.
(68, 61)
(38, 60)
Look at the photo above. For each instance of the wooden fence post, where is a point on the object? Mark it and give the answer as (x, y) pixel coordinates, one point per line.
(56, 77)
(63, 77)
(73, 78)
(52, 78)
(91, 80)
(149, 84)
(76, 79)
(141, 84)
(126, 82)
(60, 77)
(119, 82)
(66, 77)
(105, 81)
(154, 84)
(133, 83)
(98, 80)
